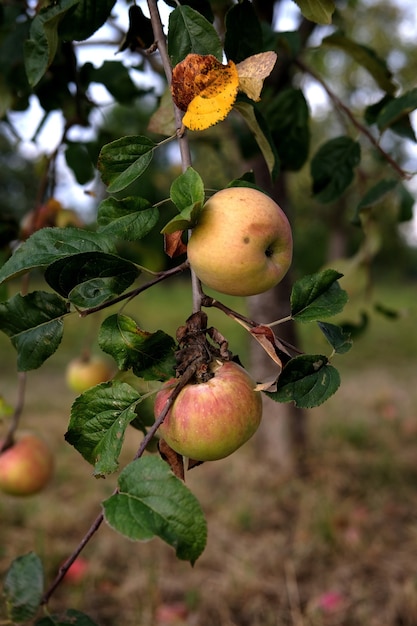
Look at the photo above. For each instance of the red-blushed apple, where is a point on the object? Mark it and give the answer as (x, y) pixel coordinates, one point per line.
(242, 243)
(26, 466)
(85, 372)
(210, 420)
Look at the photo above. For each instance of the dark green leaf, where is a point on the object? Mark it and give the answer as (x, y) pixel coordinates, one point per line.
(288, 118)
(190, 32)
(51, 244)
(387, 312)
(153, 502)
(90, 278)
(356, 329)
(202, 6)
(86, 18)
(23, 588)
(78, 159)
(243, 32)
(71, 617)
(99, 418)
(122, 161)
(41, 48)
(260, 131)
(318, 11)
(396, 109)
(336, 336)
(378, 191)
(35, 326)
(130, 219)
(366, 57)
(149, 355)
(332, 167)
(306, 380)
(316, 296)
(406, 204)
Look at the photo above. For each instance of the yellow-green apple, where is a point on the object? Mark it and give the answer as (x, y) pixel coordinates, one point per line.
(242, 243)
(85, 372)
(210, 420)
(26, 466)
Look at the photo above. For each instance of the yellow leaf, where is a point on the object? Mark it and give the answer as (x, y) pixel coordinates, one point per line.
(253, 71)
(215, 101)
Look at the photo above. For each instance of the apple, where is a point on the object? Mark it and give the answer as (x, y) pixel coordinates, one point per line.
(210, 420)
(26, 466)
(85, 372)
(77, 571)
(242, 243)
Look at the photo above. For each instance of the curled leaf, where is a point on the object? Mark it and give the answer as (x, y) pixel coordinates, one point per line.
(253, 71)
(205, 89)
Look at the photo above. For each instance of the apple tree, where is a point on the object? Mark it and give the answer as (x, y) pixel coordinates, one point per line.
(244, 77)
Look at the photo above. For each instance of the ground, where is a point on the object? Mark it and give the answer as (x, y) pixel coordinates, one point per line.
(336, 547)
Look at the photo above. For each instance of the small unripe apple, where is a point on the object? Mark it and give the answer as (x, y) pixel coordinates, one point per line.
(210, 420)
(85, 372)
(242, 243)
(26, 466)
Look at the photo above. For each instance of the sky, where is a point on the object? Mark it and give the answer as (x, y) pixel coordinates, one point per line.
(73, 195)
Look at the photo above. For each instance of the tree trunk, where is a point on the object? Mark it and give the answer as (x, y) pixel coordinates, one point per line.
(282, 436)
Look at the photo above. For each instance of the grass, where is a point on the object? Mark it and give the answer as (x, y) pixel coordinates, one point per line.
(278, 546)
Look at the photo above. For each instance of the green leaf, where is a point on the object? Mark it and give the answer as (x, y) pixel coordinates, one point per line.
(99, 418)
(71, 617)
(396, 109)
(318, 11)
(332, 167)
(336, 336)
(288, 118)
(35, 326)
(406, 204)
(316, 296)
(130, 219)
(51, 244)
(41, 48)
(187, 193)
(124, 160)
(377, 192)
(243, 32)
(306, 380)
(90, 278)
(149, 355)
(153, 502)
(387, 312)
(23, 588)
(187, 189)
(79, 161)
(85, 19)
(190, 32)
(366, 57)
(261, 133)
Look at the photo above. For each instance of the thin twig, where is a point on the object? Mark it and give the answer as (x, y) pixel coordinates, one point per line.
(135, 292)
(342, 107)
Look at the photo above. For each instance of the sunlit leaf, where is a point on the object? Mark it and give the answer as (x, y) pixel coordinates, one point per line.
(318, 11)
(153, 502)
(253, 71)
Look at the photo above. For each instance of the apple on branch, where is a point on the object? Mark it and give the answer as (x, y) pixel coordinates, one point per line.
(26, 466)
(210, 420)
(84, 372)
(242, 243)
